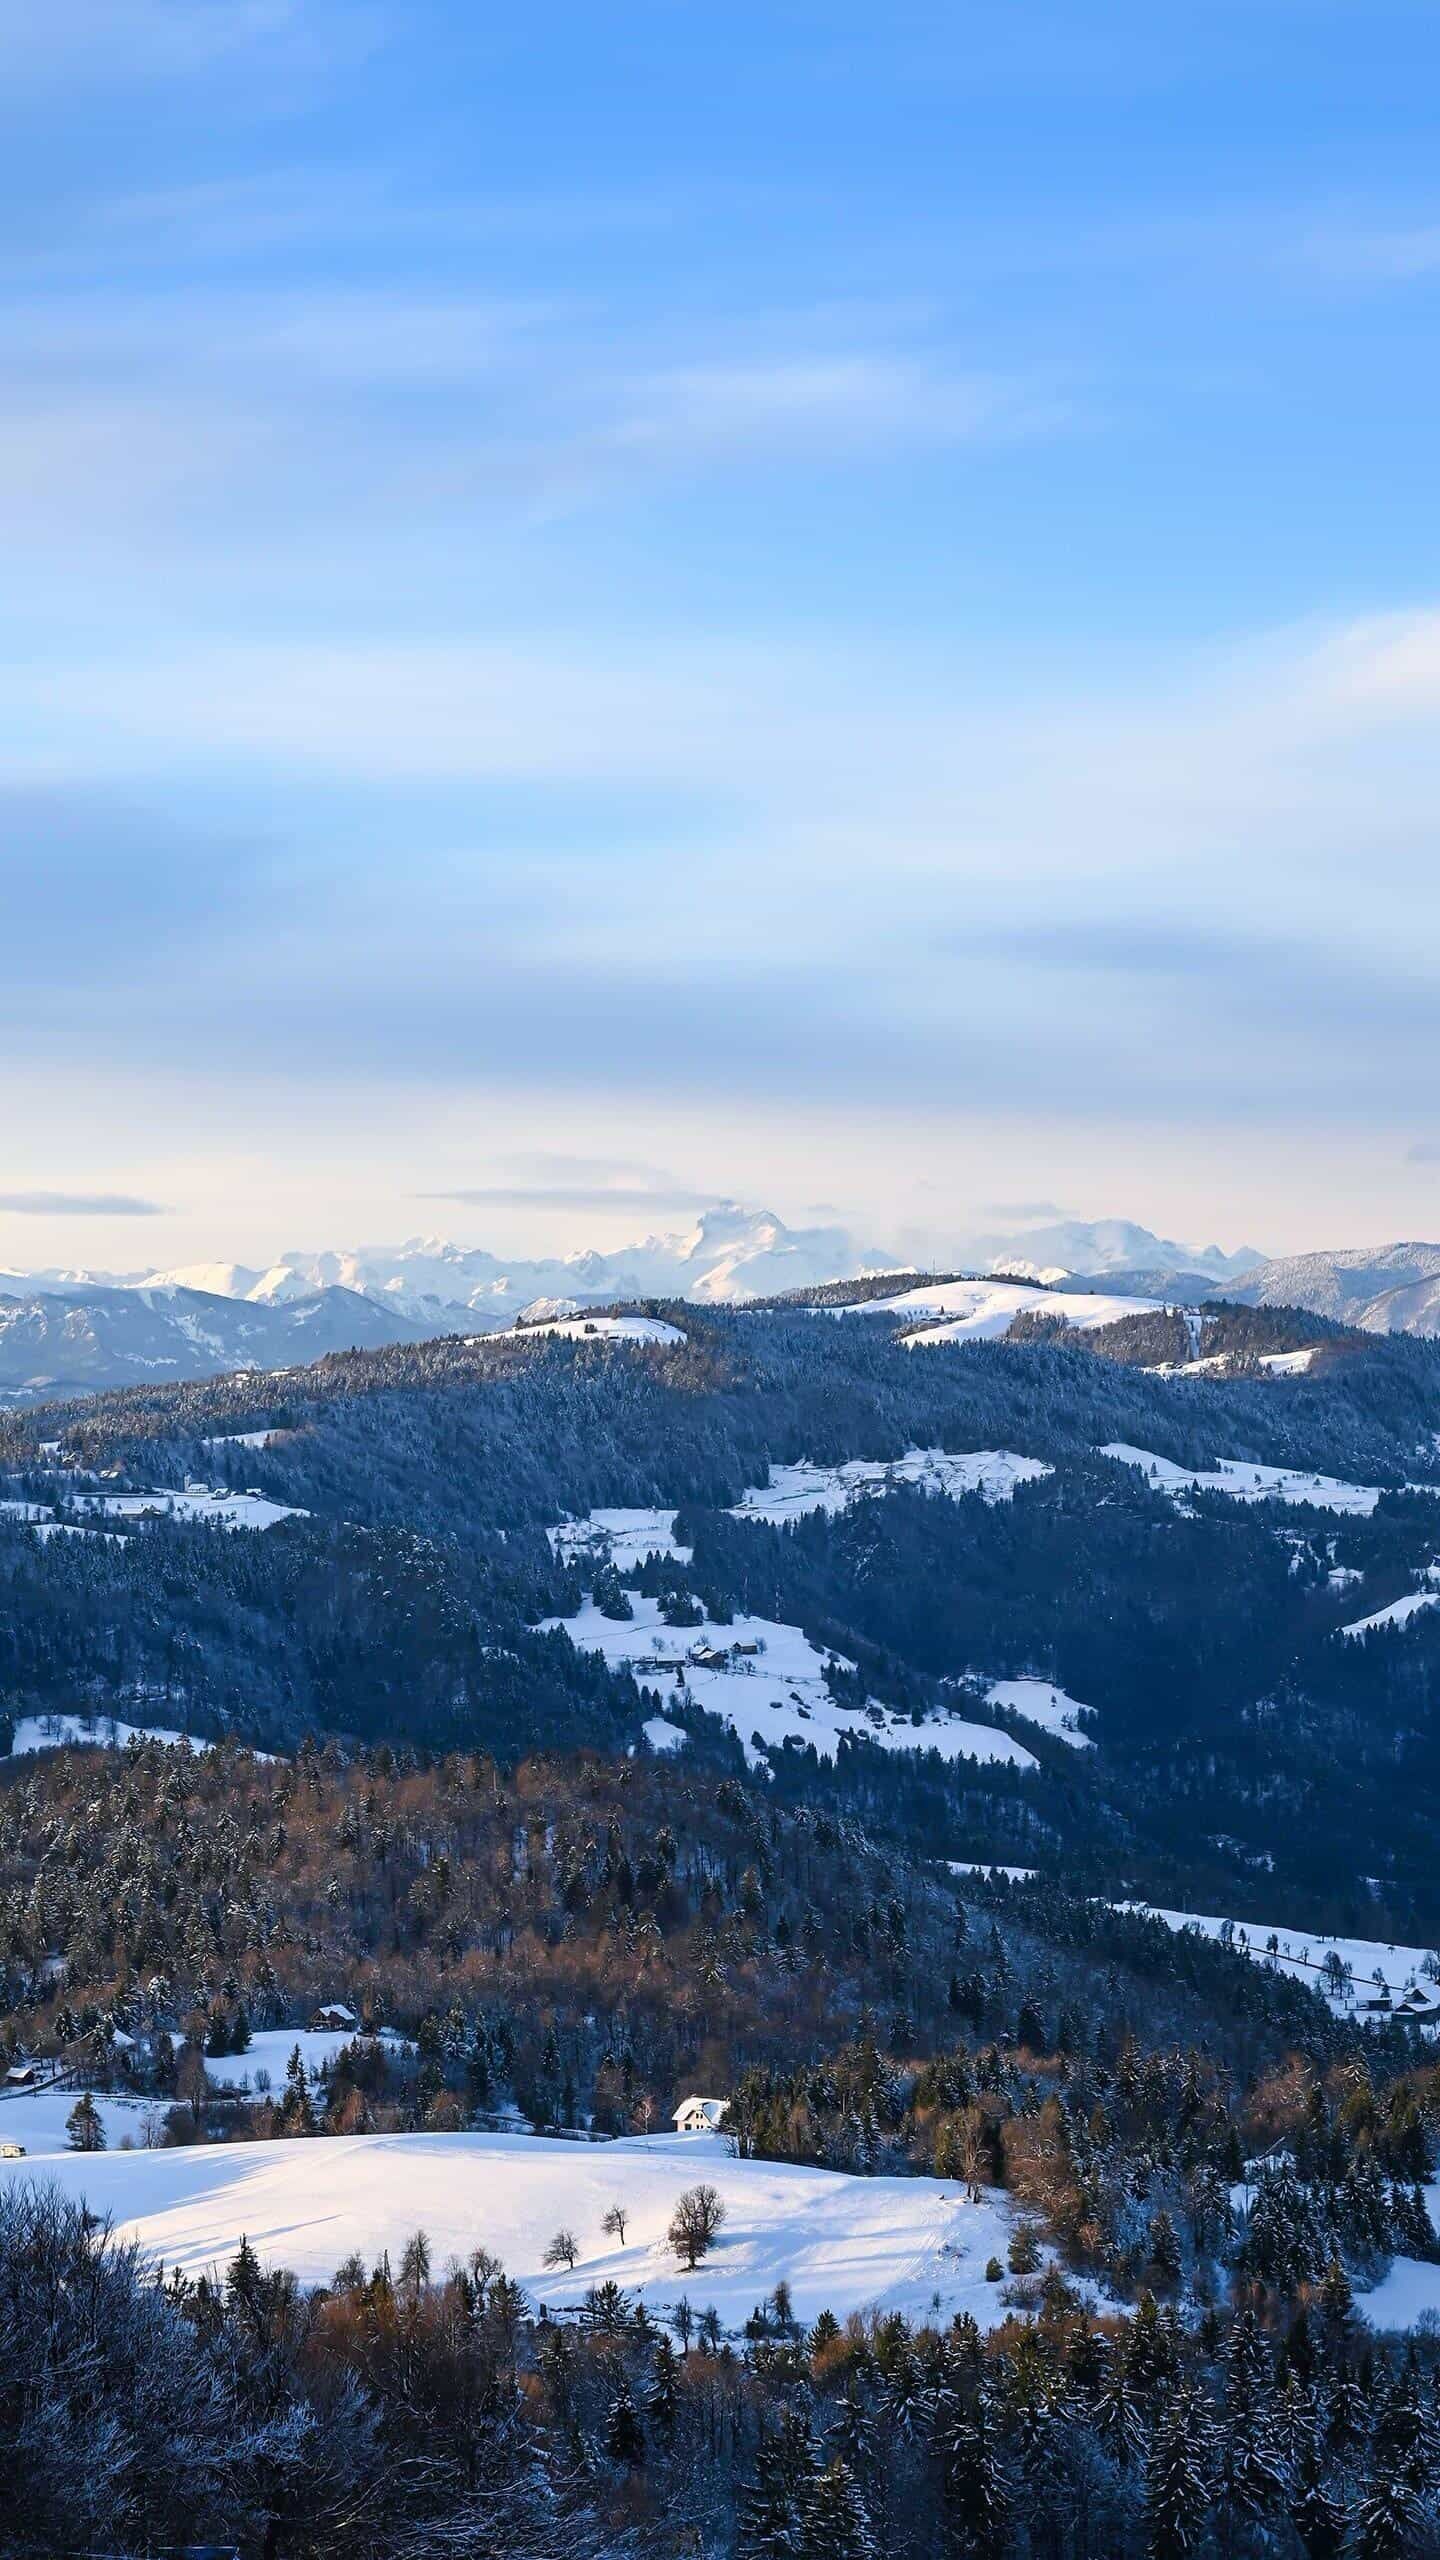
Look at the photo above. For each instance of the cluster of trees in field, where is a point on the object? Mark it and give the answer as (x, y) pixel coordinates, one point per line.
(420, 2411)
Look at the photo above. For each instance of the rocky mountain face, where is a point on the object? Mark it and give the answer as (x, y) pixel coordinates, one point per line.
(1393, 1288)
(63, 1343)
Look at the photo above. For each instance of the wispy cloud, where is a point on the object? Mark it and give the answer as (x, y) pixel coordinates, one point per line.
(78, 1204)
(129, 43)
(574, 1195)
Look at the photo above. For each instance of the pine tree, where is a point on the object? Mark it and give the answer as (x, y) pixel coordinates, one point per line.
(774, 2506)
(1318, 2518)
(1386, 2522)
(834, 2525)
(975, 2502)
(624, 2435)
(1175, 2492)
(84, 2125)
(663, 2397)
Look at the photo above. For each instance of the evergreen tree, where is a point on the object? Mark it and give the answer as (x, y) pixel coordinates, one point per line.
(1175, 2490)
(774, 2506)
(663, 2397)
(1386, 2522)
(834, 2525)
(1318, 2518)
(85, 2126)
(624, 2435)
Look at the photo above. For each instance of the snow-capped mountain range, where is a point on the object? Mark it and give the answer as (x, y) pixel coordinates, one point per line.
(65, 1331)
(69, 1330)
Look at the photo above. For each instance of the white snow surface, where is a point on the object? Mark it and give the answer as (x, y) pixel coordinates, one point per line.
(982, 1310)
(38, 2117)
(54, 1732)
(1302, 1952)
(1409, 2293)
(840, 2243)
(270, 2049)
(662, 1735)
(594, 1328)
(227, 1510)
(1046, 1706)
(1399, 1613)
(1247, 1481)
(622, 1538)
(795, 1490)
(774, 1695)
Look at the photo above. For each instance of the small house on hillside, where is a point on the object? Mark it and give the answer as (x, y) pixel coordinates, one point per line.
(335, 2019)
(701, 2115)
(22, 2075)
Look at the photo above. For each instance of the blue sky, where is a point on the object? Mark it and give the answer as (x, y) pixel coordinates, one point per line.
(841, 602)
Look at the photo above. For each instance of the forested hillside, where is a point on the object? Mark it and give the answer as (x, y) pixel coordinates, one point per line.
(1237, 1735)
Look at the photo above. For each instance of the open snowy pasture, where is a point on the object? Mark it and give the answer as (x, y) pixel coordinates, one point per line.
(773, 1695)
(265, 2058)
(983, 1310)
(1248, 1482)
(1399, 1613)
(221, 1509)
(591, 1329)
(37, 2119)
(843, 2243)
(54, 1732)
(1408, 2294)
(1302, 1953)
(1043, 1704)
(793, 1491)
(621, 1538)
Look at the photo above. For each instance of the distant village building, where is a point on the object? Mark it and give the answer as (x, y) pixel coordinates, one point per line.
(334, 2018)
(701, 2115)
(22, 2075)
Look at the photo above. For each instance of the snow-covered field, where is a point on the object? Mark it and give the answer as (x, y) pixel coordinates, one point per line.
(1399, 1613)
(792, 1491)
(269, 2051)
(1408, 2295)
(621, 1538)
(592, 1329)
(1044, 1705)
(53, 1732)
(982, 1310)
(902, 2244)
(625, 1538)
(38, 2117)
(1302, 1952)
(221, 1509)
(776, 1694)
(1246, 1481)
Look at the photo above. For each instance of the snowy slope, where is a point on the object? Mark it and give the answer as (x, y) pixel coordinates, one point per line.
(1302, 1952)
(593, 1329)
(106, 1733)
(1046, 1706)
(983, 1310)
(622, 1538)
(840, 2243)
(776, 1694)
(795, 1490)
(269, 2051)
(1248, 1482)
(1393, 1288)
(1399, 1613)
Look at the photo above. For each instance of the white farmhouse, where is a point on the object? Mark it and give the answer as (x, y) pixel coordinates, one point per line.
(700, 2115)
